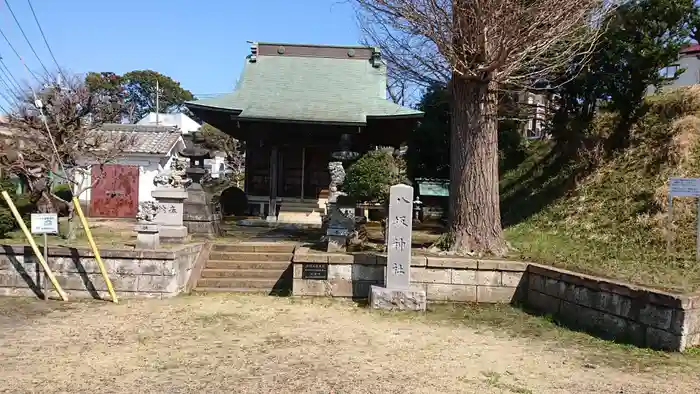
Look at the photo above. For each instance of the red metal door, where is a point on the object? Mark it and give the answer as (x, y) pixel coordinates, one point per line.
(116, 194)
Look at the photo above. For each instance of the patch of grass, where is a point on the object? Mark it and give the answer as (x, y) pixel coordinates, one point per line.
(494, 379)
(608, 217)
(516, 322)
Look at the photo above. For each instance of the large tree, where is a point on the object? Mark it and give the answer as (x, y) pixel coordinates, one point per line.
(486, 44)
(139, 90)
(54, 137)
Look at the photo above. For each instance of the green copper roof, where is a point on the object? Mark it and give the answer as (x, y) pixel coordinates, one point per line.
(309, 89)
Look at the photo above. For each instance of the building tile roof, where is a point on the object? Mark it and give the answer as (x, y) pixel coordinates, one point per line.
(694, 48)
(148, 139)
(309, 89)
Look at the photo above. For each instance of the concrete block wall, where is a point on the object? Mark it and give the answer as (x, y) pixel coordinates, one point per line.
(133, 273)
(609, 309)
(616, 310)
(442, 278)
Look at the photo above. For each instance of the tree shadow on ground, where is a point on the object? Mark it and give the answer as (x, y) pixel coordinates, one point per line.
(550, 179)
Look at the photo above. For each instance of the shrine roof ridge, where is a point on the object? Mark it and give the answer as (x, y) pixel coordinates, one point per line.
(288, 44)
(298, 84)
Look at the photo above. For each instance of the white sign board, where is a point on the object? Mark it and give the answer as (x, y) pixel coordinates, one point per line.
(684, 187)
(44, 223)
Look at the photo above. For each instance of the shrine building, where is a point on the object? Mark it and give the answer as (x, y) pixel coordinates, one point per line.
(292, 106)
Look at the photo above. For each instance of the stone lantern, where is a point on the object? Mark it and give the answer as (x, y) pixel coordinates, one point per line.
(199, 216)
(340, 218)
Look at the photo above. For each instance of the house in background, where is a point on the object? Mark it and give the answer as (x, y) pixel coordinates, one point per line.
(129, 180)
(187, 126)
(688, 59)
(538, 110)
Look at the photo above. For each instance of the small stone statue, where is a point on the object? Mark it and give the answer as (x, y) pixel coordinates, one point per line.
(174, 177)
(148, 211)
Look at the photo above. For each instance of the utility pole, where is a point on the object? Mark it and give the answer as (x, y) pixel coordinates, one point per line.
(157, 101)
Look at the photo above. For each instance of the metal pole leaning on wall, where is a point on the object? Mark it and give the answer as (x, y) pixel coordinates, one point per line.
(93, 245)
(35, 248)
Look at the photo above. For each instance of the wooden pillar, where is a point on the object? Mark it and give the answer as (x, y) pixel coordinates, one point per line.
(303, 169)
(274, 157)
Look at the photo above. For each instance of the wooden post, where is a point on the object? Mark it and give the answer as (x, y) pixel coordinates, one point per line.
(303, 165)
(697, 232)
(45, 288)
(669, 232)
(274, 157)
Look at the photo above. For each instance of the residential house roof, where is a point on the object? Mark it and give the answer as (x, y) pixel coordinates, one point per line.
(309, 83)
(155, 140)
(691, 49)
(183, 122)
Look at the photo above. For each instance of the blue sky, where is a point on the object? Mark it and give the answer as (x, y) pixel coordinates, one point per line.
(201, 44)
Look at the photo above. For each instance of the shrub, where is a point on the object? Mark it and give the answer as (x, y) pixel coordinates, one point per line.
(371, 176)
(63, 191)
(7, 220)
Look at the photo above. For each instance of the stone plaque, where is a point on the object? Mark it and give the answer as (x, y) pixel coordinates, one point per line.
(399, 237)
(314, 271)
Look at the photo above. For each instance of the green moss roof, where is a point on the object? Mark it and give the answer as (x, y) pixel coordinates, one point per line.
(309, 89)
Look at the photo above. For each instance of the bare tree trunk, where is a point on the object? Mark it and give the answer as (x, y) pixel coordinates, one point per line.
(475, 217)
(72, 223)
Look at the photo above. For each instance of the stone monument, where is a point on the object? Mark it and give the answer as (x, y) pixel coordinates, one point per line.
(170, 194)
(198, 214)
(147, 232)
(397, 294)
(340, 218)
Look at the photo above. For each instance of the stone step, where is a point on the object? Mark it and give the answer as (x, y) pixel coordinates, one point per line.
(205, 290)
(251, 256)
(237, 283)
(259, 247)
(250, 264)
(242, 273)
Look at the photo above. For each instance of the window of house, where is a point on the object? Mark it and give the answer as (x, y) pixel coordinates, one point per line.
(669, 72)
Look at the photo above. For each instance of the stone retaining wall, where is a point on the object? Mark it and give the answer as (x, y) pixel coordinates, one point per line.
(442, 278)
(615, 310)
(134, 273)
(644, 317)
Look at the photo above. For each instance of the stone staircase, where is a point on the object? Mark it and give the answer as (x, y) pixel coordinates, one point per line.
(307, 212)
(250, 267)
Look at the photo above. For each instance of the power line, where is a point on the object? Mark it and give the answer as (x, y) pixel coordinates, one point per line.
(44, 37)
(8, 74)
(2, 33)
(7, 3)
(10, 91)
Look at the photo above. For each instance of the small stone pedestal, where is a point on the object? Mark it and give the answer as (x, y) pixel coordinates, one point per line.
(397, 299)
(198, 216)
(147, 236)
(170, 217)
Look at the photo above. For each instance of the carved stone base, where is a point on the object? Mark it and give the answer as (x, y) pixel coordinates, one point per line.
(173, 233)
(397, 300)
(198, 216)
(147, 236)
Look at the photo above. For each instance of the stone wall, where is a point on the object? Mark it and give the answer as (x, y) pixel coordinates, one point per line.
(442, 278)
(134, 273)
(613, 310)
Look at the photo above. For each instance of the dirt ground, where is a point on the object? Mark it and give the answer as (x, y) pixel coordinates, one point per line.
(258, 344)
